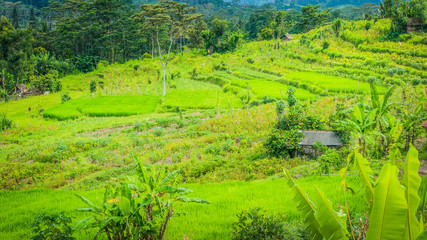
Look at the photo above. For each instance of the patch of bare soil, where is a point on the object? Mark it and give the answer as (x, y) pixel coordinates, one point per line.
(423, 169)
(105, 132)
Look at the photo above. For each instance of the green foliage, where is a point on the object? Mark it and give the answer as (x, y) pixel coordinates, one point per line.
(4, 122)
(311, 17)
(393, 208)
(49, 82)
(291, 97)
(336, 26)
(283, 144)
(86, 63)
(367, 26)
(325, 45)
(158, 132)
(65, 98)
(280, 108)
(140, 209)
(16, 60)
(102, 64)
(256, 223)
(298, 117)
(92, 86)
(52, 226)
(146, 56)
(330, 161)
(4, 95)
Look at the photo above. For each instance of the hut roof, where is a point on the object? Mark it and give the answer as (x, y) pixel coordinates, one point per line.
(424, 124)
(287, 36)
(327, 138)
(22, 87)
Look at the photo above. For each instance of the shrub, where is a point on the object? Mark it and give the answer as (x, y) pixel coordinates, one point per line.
(138, 127)
(258, 224)
(329, 161)
(48, 82)
(367, 26)
(325, 45)
(92, 86)
(65, 98)
(268, 99)
(102, 64)
(158, 132)
(281, 143)
(4, 122)
(4, 95)
(146, 55)
(86, 63)
(291, 96)
(52, 226)
(280, 108)
(312, 122)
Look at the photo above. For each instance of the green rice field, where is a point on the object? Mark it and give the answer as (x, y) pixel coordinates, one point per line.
(200, 99)
(103, 106)
(211, 221)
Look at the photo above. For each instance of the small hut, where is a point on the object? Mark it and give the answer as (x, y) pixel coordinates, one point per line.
(22, 90)
(424, 125)
(287, 37)
(326, 138)
(414, 25)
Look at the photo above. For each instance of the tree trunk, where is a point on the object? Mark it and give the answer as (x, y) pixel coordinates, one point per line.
(163, 228)
(152, 47)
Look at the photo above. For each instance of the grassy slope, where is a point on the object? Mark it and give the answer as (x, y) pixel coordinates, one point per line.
(98, 148)
(211, 221)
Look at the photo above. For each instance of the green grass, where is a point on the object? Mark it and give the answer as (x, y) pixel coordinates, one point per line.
(200, 99)
(331, 83)
(211, 221)
(104, 106)
(271, 88)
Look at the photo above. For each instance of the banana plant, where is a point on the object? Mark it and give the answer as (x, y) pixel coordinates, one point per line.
(138, 209)
(362, 125)
(393, 206)
(159, 193)
(109, 216)
(411, 123)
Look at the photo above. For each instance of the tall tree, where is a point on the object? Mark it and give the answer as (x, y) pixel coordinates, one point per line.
(194, 33)
(172, 18)
(15, 18)
(15, 54)
(32, 18)
(311, 17)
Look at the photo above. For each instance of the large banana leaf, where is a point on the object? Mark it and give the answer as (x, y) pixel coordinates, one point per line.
(332, 224)
(412, 181)
(362, 166)
(388, 214)
(306, 207)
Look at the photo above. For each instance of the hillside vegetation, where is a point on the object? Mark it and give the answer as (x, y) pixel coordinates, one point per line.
(120, 144)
